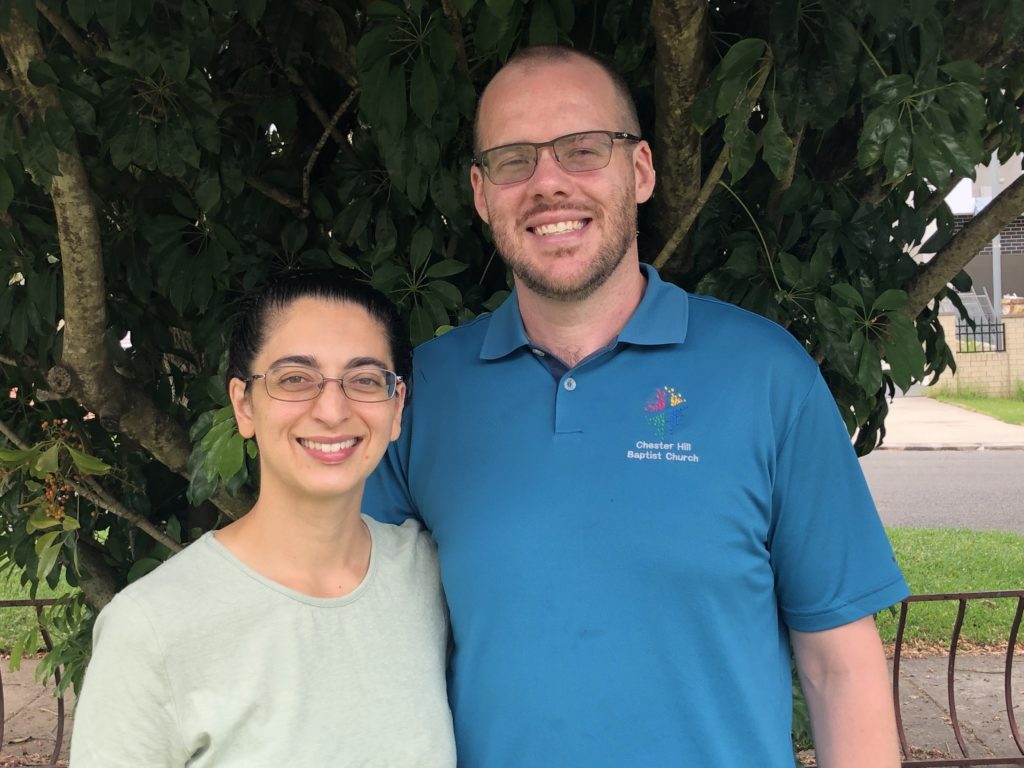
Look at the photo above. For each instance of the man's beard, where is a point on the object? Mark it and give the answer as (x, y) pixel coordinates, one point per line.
(621, 232)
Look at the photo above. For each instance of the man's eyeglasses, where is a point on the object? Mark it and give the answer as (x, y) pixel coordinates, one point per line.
(576, 153)
(294, 384)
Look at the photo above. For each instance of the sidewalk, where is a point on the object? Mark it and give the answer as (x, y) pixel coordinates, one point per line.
(30, 718)
(918, 423)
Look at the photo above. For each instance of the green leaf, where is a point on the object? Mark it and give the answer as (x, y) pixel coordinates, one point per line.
(869, 365)
(252, 10)
(960, 158)
(741, 58)
(81, 11)
(704, 113)
(60, 130)
(849, 295)
(778, 148)
(420, 325)
(903, 350)
(6, 190)
(86, 464)
(928, 159)
(11, 457)
(891, 89)
(378, 9)
(49, 460)
(543, 26)
(891, 299)
(446, 268)
(419, 250)
(68, 523)
(393, 103)
(122, 146)
(230, 457)
(39, 521)
(450, 296)
(208, 193)
(500, 8)
(878, 126)
(423, 90)
(141, 567)
(47, 550)
(41, 74)
(897, 155)
(965, 71)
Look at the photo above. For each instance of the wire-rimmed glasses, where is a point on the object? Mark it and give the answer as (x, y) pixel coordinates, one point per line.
(575, 152)
(295, 383)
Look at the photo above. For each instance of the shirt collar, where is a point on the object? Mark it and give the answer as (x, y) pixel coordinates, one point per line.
(661, 318)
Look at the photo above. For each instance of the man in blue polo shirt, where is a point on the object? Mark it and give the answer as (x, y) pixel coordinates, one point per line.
(642, 498)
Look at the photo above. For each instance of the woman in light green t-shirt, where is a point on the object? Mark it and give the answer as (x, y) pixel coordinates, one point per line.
(303, 633)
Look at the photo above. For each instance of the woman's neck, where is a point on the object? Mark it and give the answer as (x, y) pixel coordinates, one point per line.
(316, 549)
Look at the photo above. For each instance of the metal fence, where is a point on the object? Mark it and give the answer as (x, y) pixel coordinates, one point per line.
(59, 738)
(981, 337)
(1015, 754)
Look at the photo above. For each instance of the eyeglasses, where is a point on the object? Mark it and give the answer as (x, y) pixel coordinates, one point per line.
(295, 384)
(575, 152)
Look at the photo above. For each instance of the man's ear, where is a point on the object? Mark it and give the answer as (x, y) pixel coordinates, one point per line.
(643, 172)
(242, 405)
(476, 178)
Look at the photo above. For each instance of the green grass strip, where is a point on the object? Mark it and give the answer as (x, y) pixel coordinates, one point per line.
(936, 560)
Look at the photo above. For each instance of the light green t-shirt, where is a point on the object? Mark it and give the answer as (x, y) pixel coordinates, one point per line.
(204, 663)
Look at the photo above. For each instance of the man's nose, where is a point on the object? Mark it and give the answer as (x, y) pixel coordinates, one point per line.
(549, 177)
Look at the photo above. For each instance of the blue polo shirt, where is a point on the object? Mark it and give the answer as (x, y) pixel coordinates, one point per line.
(624, 548)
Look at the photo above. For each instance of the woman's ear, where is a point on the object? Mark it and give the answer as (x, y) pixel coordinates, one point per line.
(396, 424)
(241, 402)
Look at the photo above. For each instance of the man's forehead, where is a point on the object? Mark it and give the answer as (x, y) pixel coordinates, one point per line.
(518, 102)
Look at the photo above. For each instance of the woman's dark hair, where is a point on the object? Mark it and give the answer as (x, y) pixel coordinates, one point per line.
(259, 307)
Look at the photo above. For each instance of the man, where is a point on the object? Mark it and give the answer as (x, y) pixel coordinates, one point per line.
(641, 498)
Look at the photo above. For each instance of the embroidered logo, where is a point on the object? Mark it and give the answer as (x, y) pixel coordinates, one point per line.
(664, 410)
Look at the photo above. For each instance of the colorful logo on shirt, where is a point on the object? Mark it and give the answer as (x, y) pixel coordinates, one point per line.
(664, 410)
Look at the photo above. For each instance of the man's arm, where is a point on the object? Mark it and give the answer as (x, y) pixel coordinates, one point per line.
(846, 681)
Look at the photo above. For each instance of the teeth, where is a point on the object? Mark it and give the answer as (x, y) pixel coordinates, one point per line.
(558, 227)
(327, 447)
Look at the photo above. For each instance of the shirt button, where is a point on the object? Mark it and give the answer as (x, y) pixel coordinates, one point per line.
(570, 384)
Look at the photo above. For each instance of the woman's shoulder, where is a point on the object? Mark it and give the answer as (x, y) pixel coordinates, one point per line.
(174, 584)
(408, 542)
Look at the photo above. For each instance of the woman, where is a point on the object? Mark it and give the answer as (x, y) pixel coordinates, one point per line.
(303, 633)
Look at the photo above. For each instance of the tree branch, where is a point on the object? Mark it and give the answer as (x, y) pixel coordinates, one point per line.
(713, 177)
(278, 196)
(68, 32)
(320, 146)
(452, 14)
(781, 185)
(680, 29)
(932, 277)
(330, 24)
(92, 491)
(86, 371)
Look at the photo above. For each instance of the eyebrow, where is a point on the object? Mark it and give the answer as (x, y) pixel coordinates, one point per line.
(308, 361)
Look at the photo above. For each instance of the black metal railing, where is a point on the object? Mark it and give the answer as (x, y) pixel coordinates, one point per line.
(48, 644)
(981, 337)
(962, 599)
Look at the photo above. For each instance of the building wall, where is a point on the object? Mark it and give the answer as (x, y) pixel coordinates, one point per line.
(1011, 242)
(996, 374)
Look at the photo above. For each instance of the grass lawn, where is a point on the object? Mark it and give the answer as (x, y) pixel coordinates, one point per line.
(15, 623)
(1010, 410)
(956, 560)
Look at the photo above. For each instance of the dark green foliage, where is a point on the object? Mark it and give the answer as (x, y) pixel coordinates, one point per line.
(225, 140)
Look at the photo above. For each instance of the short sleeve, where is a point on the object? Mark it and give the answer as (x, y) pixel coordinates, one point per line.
(831, 557)
(386, 496)
(125, 715)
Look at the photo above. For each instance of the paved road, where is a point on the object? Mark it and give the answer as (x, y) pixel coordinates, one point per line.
(982, 490)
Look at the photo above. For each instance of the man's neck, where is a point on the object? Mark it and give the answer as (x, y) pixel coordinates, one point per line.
(574, 330)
